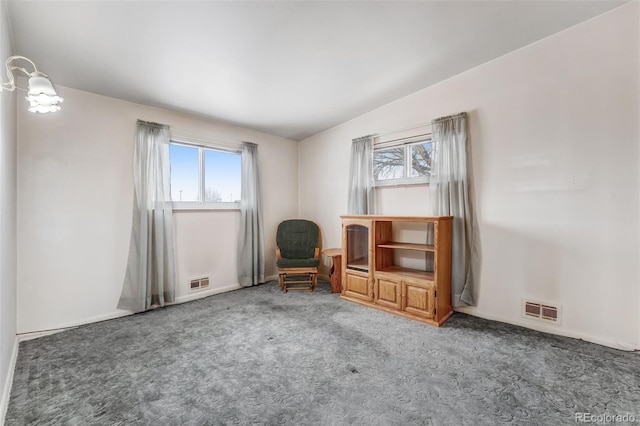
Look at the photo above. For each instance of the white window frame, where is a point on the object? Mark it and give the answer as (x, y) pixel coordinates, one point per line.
(405, 143)
(204, 205)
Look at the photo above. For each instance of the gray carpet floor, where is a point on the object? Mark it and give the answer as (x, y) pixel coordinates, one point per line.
(257, 356)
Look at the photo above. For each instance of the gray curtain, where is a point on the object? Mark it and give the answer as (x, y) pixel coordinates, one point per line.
(251, 238)
(451, 194)
(361, 185)
(150, 277)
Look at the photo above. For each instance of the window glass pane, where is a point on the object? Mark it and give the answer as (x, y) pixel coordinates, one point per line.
(388, 163)
(184, 173)
(222, 176)
(358, 248)
(420, 159)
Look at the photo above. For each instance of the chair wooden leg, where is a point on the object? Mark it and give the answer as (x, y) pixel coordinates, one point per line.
(296, 280)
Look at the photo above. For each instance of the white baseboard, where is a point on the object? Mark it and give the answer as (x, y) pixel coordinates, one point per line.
(6, 388)
(205, 293)
(121, 313)
(271, 278)
(28, 335)
(550, 329)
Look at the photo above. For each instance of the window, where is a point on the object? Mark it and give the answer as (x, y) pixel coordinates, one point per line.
(407, 162)
(203, 177)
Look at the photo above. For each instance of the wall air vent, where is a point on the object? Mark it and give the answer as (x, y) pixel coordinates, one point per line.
(201, 283)
(543, 311)
(532, 309)
(549, 313)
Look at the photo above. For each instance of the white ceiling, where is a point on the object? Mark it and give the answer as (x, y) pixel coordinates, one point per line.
(287, 68)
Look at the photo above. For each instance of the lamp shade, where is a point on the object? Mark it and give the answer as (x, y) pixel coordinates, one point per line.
(41, 95)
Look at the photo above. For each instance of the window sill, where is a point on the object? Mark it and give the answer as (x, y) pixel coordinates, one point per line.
(400, 182)
(195, 206)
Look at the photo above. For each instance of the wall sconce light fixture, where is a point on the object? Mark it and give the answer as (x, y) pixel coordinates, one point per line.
(41, 95)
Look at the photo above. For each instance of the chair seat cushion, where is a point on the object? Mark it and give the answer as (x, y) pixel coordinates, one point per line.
(298, 263)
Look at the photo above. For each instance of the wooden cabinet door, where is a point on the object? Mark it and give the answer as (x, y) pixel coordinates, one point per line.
(357, 286)
(418, 299)
(388, 293)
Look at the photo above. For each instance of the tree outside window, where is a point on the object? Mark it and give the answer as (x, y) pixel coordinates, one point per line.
(404, 164)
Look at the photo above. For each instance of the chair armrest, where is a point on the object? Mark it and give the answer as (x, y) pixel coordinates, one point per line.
(316, 253)
(278, 254)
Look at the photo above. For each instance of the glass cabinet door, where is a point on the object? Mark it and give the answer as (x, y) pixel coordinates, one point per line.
(357, 248)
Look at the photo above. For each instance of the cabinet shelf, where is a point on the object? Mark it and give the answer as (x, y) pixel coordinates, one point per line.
(408, 246)
(358, 267)
(361, 264)
(401, 272)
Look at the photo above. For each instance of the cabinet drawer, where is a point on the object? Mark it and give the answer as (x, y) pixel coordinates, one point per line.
(357, 286)
(418, 299)
(387, 293)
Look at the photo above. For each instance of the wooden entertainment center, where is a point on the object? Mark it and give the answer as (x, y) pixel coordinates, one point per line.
(385, 267)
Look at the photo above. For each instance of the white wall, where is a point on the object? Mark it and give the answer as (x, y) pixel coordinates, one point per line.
(8, 341)
(555, 147)
(75, 199)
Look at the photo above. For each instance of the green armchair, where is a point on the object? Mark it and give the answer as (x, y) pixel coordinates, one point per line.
(297, 254)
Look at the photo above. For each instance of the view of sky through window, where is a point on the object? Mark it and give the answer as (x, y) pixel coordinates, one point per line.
(184, 173)
(222, 174)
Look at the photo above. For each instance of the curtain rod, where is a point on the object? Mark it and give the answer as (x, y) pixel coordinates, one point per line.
(406, 129)
(182, 136)
(399, 141)
(391, 132)
(153, 124)
(447, 117)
